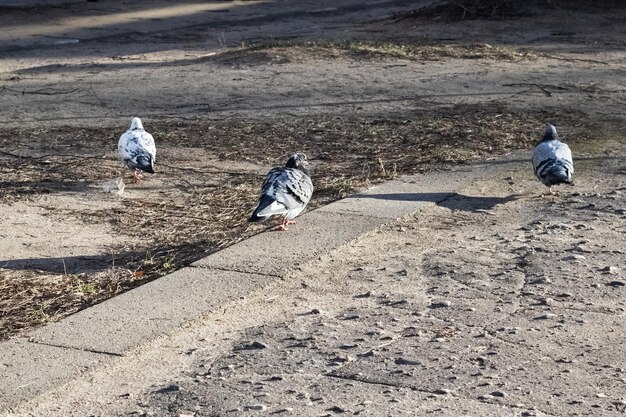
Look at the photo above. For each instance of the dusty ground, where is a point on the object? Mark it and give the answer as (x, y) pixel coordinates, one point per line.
(495, 302)
(228, 89)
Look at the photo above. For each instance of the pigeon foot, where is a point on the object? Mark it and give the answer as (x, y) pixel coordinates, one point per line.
(283, 226)
(137, 176)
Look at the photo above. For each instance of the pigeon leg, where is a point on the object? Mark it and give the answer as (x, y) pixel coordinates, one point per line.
(283, 226)
(137, 176)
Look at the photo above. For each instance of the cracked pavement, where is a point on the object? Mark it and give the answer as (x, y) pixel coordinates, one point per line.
(506, 305)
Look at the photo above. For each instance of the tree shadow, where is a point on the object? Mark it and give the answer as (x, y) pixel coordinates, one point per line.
(64, 265)
(44, 186)
(452, 201)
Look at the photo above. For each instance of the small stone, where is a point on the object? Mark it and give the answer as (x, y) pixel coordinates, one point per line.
(441, 304)
(404, 361)
(251, 346)
(257, 407)
(336, 409)
(442, 391)
(315, 311)
(500, 394)
(574, 258)
(616, 284)
(547, 316)
(284, 410)
(342, 358)
(364, 295)
(611, 270)
(169, 388)
(601, 395)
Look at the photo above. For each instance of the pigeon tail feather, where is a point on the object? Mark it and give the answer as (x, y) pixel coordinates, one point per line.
(144, 163)
(267, 206)
(557, 175)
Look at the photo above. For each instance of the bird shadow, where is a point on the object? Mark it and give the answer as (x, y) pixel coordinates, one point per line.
(452, 201)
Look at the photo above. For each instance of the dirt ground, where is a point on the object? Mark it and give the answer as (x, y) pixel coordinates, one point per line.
(513, 309)
(228, 89)
(495, 302)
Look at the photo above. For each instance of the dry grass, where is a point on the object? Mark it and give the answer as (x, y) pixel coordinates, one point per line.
(304, 51)
(209, 210)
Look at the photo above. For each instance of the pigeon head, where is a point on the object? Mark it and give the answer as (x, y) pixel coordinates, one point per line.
(550, 133)
(298, 161)
(135, 123)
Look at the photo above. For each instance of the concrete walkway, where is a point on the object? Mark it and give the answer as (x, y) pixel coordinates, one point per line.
(485, 299)
(97, 336)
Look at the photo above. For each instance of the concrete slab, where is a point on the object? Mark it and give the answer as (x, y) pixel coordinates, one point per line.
(27, 369)
(277, 253)
(390, 200)
(138, 316)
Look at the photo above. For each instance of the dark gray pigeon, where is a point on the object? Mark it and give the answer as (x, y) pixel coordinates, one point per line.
(285, 192)
(552, 160)
(137, 149)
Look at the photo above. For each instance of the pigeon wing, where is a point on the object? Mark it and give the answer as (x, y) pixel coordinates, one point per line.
(286, 190)
(146, 141)
(551, 154)
(136, 148)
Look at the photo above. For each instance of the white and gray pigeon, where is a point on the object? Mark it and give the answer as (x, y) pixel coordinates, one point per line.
(285, 192)
(137, 149)
(552, 160)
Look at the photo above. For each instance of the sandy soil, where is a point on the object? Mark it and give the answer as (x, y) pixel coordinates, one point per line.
(497, 301)
(198, 73)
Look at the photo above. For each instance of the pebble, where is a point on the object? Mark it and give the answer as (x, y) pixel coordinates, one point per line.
(574, 258)
(547, 316)
(404, 361)
(616, 284)
(500, 394)
(364, 295)
(284, 410)
(336, 409)
(251, 346)
(559, 226)
(441, 304)
(257, 407)
(442, 391)
(315, 311)
(169, 388)
(611, 270)
(342, 358)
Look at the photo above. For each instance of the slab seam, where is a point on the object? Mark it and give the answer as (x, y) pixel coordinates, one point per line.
(99, 352)
(217, 268)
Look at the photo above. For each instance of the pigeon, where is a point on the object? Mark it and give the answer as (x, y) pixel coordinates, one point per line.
(552, 160)
(285, 192)
(137, 149)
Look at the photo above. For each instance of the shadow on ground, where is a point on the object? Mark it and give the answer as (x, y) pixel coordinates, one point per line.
(452, 201)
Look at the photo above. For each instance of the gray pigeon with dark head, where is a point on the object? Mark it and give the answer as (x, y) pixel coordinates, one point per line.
(552, 160)
(137, 149)
(285, 192)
